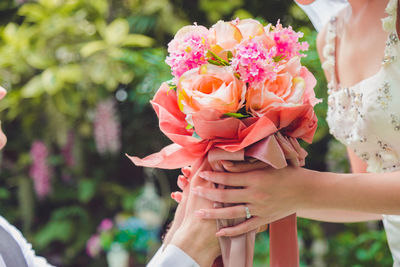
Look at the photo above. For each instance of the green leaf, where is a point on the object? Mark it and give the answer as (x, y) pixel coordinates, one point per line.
(138, 40)
(236, 115)
(172, 86)
(223, 62)
(33, 88)
(214, 62)
(189, 126)
(55, 230)
(230, 56)
(117, 32)
(278, 58)
(92, 48)
(196, 135)
(86, 190)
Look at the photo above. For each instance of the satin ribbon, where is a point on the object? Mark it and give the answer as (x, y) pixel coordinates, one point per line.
(278, 151)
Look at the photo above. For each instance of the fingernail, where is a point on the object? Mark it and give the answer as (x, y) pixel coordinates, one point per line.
(173, 195)
(182, 179)
(227, 163)
(200, 213)
(220, 233)
(185, 172)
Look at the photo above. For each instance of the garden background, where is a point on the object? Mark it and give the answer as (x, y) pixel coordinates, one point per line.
(79, 75)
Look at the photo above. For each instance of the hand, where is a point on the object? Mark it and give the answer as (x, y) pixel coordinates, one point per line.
(181, 198)
(269, 194)
(197, 236)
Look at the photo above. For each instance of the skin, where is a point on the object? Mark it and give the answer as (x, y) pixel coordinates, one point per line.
(187, 232)
(273, 194)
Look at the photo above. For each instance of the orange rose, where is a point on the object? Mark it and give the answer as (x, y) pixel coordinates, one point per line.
(210, 87)
(292, 87)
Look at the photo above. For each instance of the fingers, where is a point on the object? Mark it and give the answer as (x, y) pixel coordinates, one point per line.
(262, 228)
(187, 171)
(222, 213)
(243, 166)
(225, 178)
(177, 196)
(182, 182)
(222, 195)
(246, 226)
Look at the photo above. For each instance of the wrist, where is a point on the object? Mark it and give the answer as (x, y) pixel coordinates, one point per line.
(194, 245)
(305, 188)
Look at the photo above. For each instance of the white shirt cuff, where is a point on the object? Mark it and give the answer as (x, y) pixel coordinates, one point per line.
(172, 256)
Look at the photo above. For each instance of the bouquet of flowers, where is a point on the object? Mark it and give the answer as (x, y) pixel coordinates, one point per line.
(239, 92)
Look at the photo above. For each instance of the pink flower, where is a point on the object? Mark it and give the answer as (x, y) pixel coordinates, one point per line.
(107, 128)
(254, 62)
(188, 49)
(105, 225)
(287, 41)
(67, 150)
(40, 171)
(93, 247)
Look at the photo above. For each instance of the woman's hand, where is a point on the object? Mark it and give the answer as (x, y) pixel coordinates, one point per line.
(269, 194)
(196, 236)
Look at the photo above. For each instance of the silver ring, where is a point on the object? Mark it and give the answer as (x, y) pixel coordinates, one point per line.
(248, 215)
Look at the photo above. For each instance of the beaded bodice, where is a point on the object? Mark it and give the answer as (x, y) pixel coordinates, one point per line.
(366, 117)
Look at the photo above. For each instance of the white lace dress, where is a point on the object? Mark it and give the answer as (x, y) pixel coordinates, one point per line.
(366, 117)
(29, 255)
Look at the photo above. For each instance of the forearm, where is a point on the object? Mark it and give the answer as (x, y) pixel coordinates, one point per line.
(366, 193)
(338, 216)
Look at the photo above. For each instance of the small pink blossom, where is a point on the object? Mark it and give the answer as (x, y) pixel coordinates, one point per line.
(287, 42)
(107, 128)
(40, 171)
(187, 50)
(93, 246)
(254, 62)
(105, 225)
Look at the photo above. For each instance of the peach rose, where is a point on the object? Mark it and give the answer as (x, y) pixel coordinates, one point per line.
(210, 87)
(224, 36)
(293, 86)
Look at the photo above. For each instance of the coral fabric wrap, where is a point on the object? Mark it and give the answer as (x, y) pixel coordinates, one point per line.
(271, 139)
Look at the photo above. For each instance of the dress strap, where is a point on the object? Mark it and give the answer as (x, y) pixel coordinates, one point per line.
(389, 24)
(329, 53)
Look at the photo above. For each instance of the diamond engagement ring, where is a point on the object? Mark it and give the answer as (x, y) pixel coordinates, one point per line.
(248, 215)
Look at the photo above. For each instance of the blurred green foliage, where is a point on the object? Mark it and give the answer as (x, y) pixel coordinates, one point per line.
(60, 58)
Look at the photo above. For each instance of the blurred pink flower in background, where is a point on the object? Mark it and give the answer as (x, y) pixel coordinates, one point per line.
(107, 127)
(40, 171)
(67, 150)
(93, 246)
(105, 225)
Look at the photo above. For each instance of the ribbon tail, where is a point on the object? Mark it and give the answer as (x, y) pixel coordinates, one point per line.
(284, 251)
